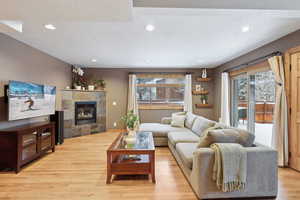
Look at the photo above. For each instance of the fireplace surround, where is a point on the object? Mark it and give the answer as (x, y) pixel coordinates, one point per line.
(84, 112)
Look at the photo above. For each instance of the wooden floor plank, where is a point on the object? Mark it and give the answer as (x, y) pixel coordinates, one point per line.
(77, 171)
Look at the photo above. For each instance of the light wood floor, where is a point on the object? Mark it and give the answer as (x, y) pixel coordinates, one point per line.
(77, 171)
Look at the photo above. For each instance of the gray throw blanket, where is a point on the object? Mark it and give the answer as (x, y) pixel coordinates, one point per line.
(230, 166)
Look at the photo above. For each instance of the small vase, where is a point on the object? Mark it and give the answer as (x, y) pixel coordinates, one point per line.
(204, 73)
(78, 87)
(91, 87)
(131, 133)
(130, 138)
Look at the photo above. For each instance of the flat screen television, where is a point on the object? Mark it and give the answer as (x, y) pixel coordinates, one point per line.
(27, 100)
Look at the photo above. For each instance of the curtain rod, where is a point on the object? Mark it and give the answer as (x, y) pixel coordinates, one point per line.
(253, 62)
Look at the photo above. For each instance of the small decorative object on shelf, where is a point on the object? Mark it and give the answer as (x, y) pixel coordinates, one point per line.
(198, 87)
(204, 99)
(91, 87)
(131, 121)
(99, 84)
(78, 87)
(204, 73)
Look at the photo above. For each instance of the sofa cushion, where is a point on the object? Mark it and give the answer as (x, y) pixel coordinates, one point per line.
(201, 124)
(190, 118)
(178, 121)
(226, 136)
(186, 136)
(159, 130)
(185, 152)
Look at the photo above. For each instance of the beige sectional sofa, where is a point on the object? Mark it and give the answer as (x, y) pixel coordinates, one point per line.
(197, 163)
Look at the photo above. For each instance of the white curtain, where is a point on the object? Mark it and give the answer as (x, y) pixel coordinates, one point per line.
(188, 98)
(280, 127)
(225, 107)
(132, 100)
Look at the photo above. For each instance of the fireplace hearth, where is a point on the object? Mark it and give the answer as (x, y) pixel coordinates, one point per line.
(85, 112)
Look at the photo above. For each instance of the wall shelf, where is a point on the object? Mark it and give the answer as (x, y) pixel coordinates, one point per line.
(203, 79)
(205, 92)
(203, 105)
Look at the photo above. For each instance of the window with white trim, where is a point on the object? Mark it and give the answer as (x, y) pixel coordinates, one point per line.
(160, 90)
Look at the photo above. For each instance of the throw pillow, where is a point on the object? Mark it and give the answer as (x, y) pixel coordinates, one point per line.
(201, 124)
(219, 125)
(218, 136)
(246, 138)
(190, 118)
(243, 137)
(179, 113)
(178, 121)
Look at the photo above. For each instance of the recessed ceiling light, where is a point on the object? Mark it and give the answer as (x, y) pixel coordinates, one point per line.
(94, 60)
(150, 27)
(245, 29)
(50, 26)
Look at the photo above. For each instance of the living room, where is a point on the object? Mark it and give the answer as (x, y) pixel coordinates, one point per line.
(139, 99)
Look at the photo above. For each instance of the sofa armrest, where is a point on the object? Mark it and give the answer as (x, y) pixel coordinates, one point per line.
(166, 120)
(261, 171)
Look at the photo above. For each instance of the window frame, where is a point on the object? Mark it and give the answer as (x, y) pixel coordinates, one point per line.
(165, 105)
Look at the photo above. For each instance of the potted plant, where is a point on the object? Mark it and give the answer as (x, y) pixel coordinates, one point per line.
(99, 84)
(77, 78)
(204, 99)
(131, 121)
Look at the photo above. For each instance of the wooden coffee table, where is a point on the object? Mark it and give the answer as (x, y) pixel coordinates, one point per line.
(119, 163)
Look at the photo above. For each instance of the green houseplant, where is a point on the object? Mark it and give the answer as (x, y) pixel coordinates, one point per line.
(99, 84)
(204, 99)
(131, 121)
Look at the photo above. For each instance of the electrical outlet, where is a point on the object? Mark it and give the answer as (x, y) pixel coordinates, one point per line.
(115, 124)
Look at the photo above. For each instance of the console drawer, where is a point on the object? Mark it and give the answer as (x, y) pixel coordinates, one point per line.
(29, 139)
(46, 142)
(29, 151)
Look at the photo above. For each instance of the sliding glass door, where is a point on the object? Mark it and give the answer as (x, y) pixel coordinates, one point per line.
(240, 102)
(253, 99)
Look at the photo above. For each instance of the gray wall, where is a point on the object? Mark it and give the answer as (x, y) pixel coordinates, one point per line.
(117, 85)
(21, 62)
(282, 44)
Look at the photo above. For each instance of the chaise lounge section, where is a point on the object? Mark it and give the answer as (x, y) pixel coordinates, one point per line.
(197, 163)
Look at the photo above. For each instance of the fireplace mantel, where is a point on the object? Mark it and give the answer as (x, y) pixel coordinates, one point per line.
(70, 98)
(73, 90)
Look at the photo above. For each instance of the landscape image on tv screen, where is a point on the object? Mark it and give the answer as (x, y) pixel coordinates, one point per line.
(27, 100)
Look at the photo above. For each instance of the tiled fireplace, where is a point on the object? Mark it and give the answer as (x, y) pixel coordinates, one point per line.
(84, 112)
